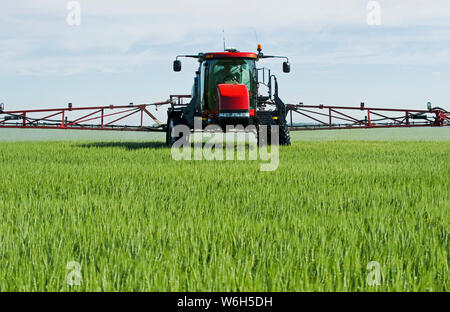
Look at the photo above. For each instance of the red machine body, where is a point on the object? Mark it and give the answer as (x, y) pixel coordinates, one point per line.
(241, 55)
(233, 97)
(234, 103)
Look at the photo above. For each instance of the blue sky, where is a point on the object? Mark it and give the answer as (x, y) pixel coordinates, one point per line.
(123, 50)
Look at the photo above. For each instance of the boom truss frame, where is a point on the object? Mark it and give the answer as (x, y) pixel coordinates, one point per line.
(325, 117)
(89, 118)
(322, 117)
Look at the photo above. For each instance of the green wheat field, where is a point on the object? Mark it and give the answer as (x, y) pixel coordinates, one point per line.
(137, 220)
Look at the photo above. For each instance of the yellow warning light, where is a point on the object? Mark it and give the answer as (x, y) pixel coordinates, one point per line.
(259, 48)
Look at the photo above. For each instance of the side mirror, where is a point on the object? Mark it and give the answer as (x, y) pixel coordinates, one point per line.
(177, 65)
(286, 67)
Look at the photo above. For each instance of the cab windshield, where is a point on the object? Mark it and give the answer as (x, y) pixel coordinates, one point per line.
(237, 71)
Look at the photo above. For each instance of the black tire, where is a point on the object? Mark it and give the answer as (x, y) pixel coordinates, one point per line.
(169, 141)
(263, 140)
(264, 118)
(173, 121)
(285, 135)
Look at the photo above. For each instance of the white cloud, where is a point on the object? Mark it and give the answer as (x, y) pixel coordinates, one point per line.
(437, 74)
(119, 35)
(250, 12)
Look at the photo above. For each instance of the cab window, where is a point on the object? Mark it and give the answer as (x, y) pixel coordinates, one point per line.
(237, 71)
